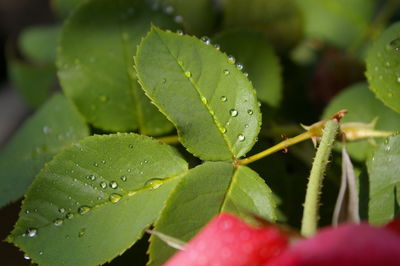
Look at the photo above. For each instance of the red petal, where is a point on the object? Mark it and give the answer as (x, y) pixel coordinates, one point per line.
(226, 240)
(394, 226)
(346, 245)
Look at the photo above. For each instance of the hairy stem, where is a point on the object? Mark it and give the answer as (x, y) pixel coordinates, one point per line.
(311, 205)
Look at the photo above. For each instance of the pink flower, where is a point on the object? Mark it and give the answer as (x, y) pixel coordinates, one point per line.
(226, 240)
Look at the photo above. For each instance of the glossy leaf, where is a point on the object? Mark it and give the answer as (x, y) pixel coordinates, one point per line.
(362, 107)
(94, 199)
(280, 20)
(341, 23)
(259, 59)
(204, 192)
(383, 68)
(384, 180)
(32, 82)
(197, 17)
(39, 43)
(55, 125)
(95, 62)
(212, 104)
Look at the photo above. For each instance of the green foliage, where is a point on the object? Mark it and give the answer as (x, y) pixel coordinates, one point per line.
(357, 112)
(39, 43)
(384, 180)
(64, 7)
(280, 20)
(32, 82)
(101, 190)
(383, 67)
(341, 23)
(205, 191)
(258, 58)
(54, 126)
(212, 104)
(95, 60)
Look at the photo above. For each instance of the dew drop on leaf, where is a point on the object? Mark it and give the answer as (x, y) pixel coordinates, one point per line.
(234, 112)
(223, 98)
(123, 178)
(239, 66)
(46, 130)
(250, 112)
(395, 44)
(226, 71)
(31, 232)
(188, 74)
(180, 32)
(178, 19)
(69, 215)
(217, 46)
(113, 184)
(58, 222)
(203, 100)
(154, 183)
(83, 210)
(241, 137)
(61, 210)
(82, 232)
(114, 197)
(103, 184)
(231, 59)
(206, 40)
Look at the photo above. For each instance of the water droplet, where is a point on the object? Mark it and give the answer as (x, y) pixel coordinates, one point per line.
(246, 125)
(169, 9)
(130, 146)
(83, 210)
(223, 98)
(31, 232)
(223, 130)
(206, 40)
(203, 100)
(27, 257)
(46, 130)
(103, 184)
(387, 148)
(239, 66)
(103, 161)
(231, 59)
(376, 68)
(226, 71)
(114, 197)
(27, 211)
(69, 215)
(154, 183)
(188, 74)
(113, 184)
(180, 32)
(61, 210)
(217, 46)
(250, 112)
(82, 232)
(387, 63)
(40, 253)
(395, 44)
(178, 19)
(95, 164)
(241, 137)
(398, 79)
(58, 222)
(129, 170)
(234, 112)
(246, 74)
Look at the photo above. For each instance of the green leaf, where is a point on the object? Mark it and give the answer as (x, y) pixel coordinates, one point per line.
(384, 180)
(340, 22)
(39, 43)
(280, 20)
(383, 68)
(205, 191)
(55, 125)
(259, 59)
(212, 104)
(198, 17)
(33, 82)
(95, 63)
(94, 199)
(357, 112)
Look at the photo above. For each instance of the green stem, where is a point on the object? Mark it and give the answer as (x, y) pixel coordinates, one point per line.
(280, 146)
(311, 205)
